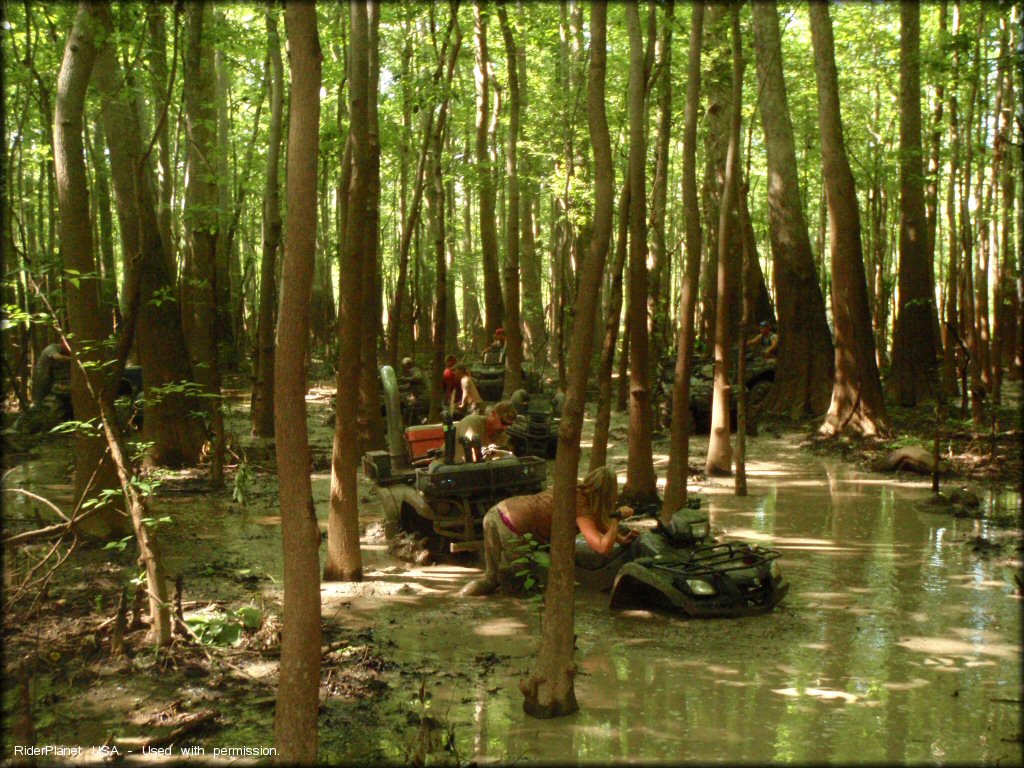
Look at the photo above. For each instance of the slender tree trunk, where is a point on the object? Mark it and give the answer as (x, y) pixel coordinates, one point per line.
(548, 691)
(344, 559)
(94, 470)
(371, 426)
(951, 327)
(513, 324)
(263, 419)
(641, 482)
(679, 451)
(295, 719)
(224, 297)
(857, 404)
(657, 301)
(719, 460)
(201, 220)
(931, 192)
(913, 378)
(493, 302)
(602, 419)
(805, 353)
(161, 86)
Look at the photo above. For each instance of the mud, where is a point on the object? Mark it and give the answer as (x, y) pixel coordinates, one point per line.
(900, 640)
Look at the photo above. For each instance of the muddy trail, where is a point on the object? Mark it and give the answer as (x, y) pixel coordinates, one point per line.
(900, 639)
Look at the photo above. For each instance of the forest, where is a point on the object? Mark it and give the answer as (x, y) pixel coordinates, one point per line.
(751, 266)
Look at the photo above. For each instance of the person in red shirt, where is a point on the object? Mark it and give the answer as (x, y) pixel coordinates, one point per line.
(451, 380)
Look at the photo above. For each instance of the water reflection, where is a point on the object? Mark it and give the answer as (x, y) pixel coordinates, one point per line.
(897, 643)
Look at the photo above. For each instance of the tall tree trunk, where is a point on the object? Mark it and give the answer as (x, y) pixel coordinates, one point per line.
(224, 298)
(951, 325)
(162, 86)
(175, 434)
(494, 308)
(513, 326)
(1005, 332)
(641, 482)
(298, 704)
(548, 691)
(94, 470)
(344, 559)
(805, 353)
(201, 220)
(371, 426)
(603, 417)
(679, 450)
(857, 404)
(719, 460)
(913, 377)
(263, 419)
(931, 192)
(657, 301)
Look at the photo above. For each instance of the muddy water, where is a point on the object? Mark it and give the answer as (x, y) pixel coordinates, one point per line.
(900, 640)
(897, 643)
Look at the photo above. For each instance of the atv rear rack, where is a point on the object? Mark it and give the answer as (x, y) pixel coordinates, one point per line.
(718, 558)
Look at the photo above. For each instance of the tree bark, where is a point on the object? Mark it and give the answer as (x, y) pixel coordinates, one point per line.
(86, 320)
(513, 324)
(494, 309)
(660, 253)
(263, 419)
(857, 404)
(201, 223)
(641, 482)
(602, 419)
(719, 460)
(548, 691)
(679, 450)
(344, 559)
(371, 425)
(913, 378)
(177, 436)
(295, 719)
(805, 353)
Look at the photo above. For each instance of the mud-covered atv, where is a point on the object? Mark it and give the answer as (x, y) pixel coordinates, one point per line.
(427, 496)
(489, 375)
(679, 567)
(759, 378)
(535, 430)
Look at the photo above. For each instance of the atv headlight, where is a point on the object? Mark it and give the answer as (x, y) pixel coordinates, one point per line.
(776, 570)
(700, 531)
(700, 587)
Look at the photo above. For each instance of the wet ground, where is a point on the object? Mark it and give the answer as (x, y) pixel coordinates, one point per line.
(900, 639)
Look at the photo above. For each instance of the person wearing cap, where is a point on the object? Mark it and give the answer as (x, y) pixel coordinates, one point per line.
(495, 352)
(412, 378)
(491, 430)
(508, 521)
(767, 338)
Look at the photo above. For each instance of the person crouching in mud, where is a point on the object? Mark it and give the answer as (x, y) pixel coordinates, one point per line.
(514, 517)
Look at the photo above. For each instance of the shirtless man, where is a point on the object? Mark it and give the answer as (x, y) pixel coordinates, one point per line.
(471, 401)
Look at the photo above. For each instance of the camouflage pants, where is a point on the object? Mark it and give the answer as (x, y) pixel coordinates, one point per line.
(501, 547)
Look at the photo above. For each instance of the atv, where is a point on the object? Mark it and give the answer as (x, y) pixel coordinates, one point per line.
(759, 378)
(425, 494)
(679, 567)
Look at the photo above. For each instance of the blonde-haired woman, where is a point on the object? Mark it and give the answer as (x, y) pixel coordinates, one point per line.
(509, 520)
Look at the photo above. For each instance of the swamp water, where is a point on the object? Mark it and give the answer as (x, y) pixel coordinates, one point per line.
(900, 641)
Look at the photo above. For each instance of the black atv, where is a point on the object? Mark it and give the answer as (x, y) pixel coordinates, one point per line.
(679, 567)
